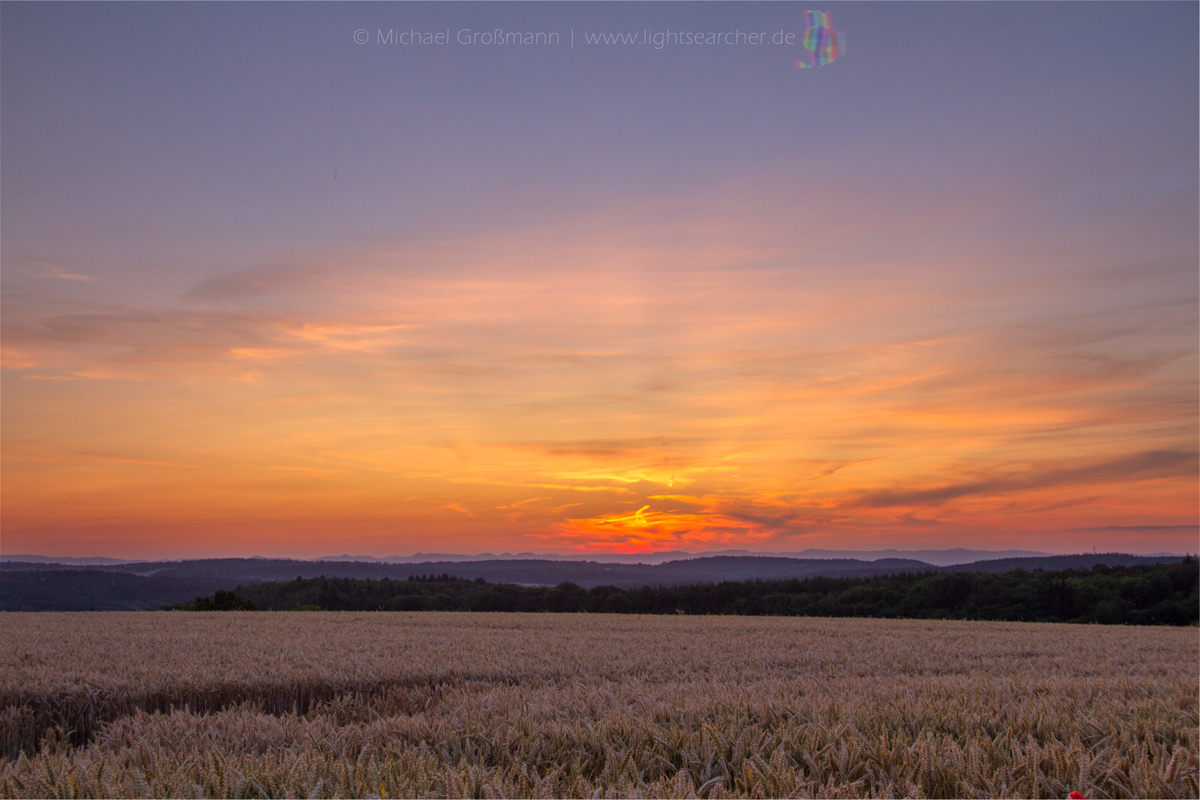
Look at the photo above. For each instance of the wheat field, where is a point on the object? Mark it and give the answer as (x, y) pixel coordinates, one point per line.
(501, 705)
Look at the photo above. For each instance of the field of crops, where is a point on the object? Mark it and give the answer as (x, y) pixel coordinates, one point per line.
(542, 705)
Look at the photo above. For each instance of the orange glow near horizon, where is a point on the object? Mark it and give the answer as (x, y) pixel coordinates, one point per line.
(555, 393)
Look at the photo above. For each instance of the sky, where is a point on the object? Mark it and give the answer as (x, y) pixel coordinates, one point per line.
(265, 289)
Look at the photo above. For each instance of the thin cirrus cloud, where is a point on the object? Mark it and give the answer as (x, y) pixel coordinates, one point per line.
(1140, 466)
(42, 270)
(261, 281)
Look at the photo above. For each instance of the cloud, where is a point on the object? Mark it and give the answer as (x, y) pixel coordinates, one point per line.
(42, 270)
(143, 461)
(1135, 467)
(254, 282)
(15, 358)
(139, 343)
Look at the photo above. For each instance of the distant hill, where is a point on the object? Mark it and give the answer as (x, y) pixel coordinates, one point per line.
(1082, 561)
(524, 571)
(91, 560)
(27, 586)
(98, 590)
(153, 584)
(936, 557)
(939, 558)
(607, 558)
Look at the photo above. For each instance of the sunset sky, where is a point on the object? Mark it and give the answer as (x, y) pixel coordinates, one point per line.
(942, 292)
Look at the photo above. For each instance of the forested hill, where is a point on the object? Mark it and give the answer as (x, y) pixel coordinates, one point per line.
(39, 586)
(585, 573)
(97, 590)
(1140, 595)
(527, 571)
(1081, 561)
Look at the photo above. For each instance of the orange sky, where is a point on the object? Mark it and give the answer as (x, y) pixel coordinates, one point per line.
(549, 390)
(658, 305)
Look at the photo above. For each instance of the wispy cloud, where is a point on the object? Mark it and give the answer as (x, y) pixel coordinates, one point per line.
(253, 283)
(1136, 467)
(150, 462)
(39, 269)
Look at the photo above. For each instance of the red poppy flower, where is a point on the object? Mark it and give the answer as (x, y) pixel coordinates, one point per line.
(1075, 796)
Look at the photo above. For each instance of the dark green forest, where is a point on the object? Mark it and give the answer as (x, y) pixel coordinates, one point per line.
(84, 590)
(1163, 594)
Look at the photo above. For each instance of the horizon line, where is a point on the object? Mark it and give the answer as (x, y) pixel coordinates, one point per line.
(436, 557)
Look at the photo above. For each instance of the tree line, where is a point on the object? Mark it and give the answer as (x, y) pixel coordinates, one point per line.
(1161, 594)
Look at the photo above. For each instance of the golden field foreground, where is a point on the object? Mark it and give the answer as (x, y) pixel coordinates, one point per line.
(243, 704)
